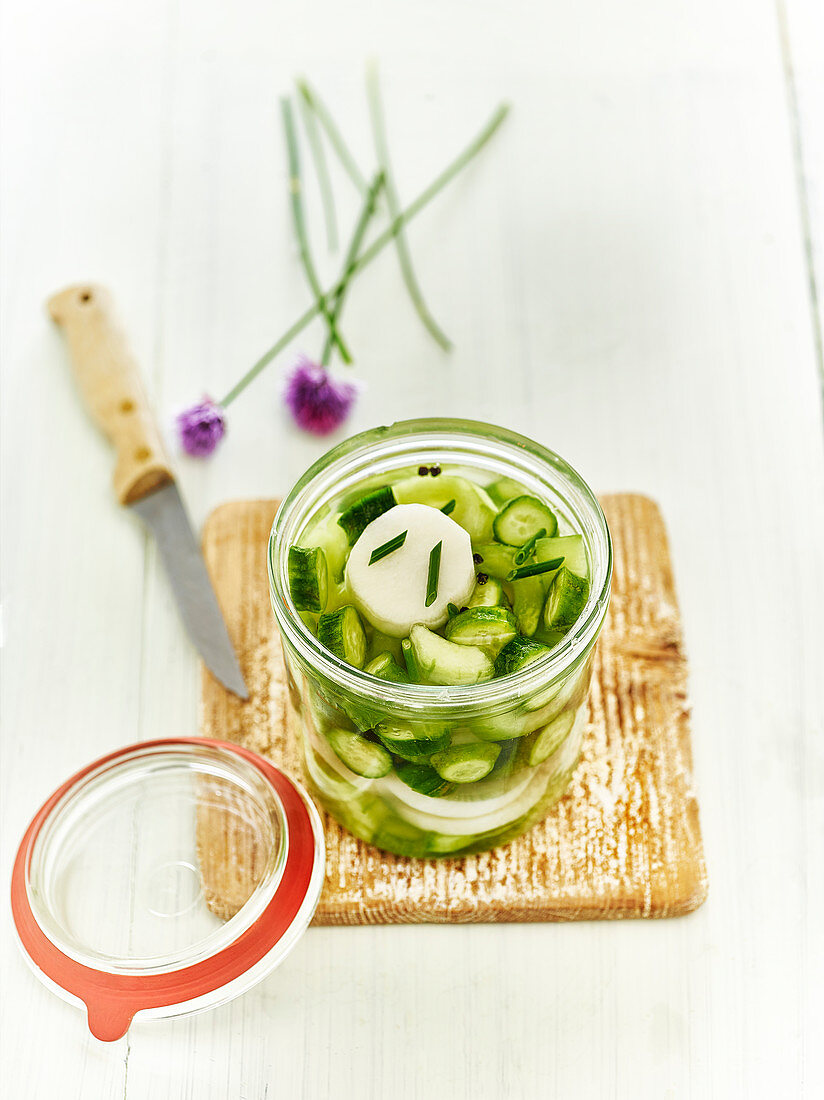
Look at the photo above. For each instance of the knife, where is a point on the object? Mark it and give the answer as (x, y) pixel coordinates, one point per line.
(110, 384)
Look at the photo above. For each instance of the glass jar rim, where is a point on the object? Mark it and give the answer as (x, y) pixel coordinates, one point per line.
(521, 453)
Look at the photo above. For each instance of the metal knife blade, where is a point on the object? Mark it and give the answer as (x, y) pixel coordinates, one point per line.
(164, 514)
(110, 384)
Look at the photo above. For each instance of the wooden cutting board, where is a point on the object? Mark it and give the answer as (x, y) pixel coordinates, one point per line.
(623, 842)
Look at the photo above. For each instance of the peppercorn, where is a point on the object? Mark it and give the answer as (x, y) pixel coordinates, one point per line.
(477, 558)
(423, 471)
(482, 578)
(434, 470)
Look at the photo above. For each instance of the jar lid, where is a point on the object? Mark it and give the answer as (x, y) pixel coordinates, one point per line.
(125, 877)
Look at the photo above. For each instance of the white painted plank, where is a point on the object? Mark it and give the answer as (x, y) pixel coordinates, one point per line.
(629, 258)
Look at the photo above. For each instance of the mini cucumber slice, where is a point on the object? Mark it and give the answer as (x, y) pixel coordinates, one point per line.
(567, 598)
(496, 560)
(489, 628)
(342, 633)
(385, 667)
(360, 755)
(331, 538)
(490, 594)
(544, 742)
(407, 743)
(466, 763)
(359, 515)
(528, 597)
(503, 490)
(473, 509)
(517, 654)
(308, 578)
(443, 662)
(521, 518)
(423, 779)
(569, 547)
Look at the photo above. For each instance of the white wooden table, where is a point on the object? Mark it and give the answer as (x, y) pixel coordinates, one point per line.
(629, 276)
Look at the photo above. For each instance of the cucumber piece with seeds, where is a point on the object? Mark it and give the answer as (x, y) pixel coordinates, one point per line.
(359, 515)
(490, 594)
(504, 489)
(528, 596)
(409, 744)
(544, 742)
(567, 598)
(342, 633)
(440, 661)
(360, 755)
(466, 763)
(521, 518)
(489, 628)
(385, 667)
(308, 578)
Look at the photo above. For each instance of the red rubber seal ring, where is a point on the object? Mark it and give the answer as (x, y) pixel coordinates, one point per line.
(112, 999)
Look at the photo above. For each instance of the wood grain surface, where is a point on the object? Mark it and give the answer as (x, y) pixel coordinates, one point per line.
(623, 842)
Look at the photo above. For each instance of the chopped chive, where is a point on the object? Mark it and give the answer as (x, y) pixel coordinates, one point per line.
(394, 544)
(434, 573)
(449, 507)
(452, 609)
(535, 569)
(528, 548)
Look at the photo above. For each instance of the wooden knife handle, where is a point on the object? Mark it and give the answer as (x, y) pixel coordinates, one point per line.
(112, 389)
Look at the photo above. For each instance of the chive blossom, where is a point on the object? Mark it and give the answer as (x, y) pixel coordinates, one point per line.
(528, 548)
(393, 544)
(434, 573)
(449, 507)
(535, 569)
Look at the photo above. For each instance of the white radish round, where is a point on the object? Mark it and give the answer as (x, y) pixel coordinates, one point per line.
(391, 592)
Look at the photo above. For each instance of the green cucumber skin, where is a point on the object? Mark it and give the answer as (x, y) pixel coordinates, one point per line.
(424, 779)
(517, 654)
(565, 600)
(489, 628)
(308, 578)
(528, 603)
(342, 633)
(385, 667)
(448, 663)
(359, 515)
(361, 756)
(521, 518)
(415, 750)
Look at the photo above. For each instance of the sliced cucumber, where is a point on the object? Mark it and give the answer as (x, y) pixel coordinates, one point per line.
(566, 600)
(359, 515)
(521, 518)
(503, 490)
(423, 779)
(569, 547)
(409, 743)
(342, 633)
(401, 837)
(490, 594)
(489, 628)
(308, 578)
(473, 510)
(443, 662)
(543, 743)
(385, 667)
(517, 654)
(331, 538)
(528, 597)
(384, 643)
(496, 560)
(466, 763)
(360, 755)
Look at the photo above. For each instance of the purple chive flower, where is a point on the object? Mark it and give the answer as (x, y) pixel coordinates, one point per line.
(318, 403)
(201, 428)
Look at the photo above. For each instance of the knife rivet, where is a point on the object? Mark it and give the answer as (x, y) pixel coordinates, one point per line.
(127, 406)
(142, 453)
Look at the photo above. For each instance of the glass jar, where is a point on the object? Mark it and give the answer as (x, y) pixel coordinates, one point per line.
(546, 700)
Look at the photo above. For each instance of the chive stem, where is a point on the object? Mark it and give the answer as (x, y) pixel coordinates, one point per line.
(313, 101)
(449, 507)
(327, 195)
(349, 263)
(528, 548)
(296, 196)
(387, 548)
(368, 255)
(376, 114)
(434, 573)
(535, 569)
